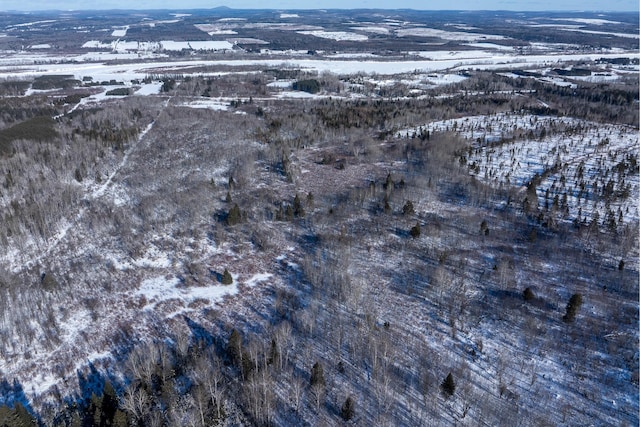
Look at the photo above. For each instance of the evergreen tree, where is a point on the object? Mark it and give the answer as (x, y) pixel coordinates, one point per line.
(274, 354)
(288, 213)
(102, 409)
(309, 85)
(484, 227)
(317, 375)
(387, 207)
(227, 279)
(448, 385)
(234, 347)
(572, 308)
(234, 216)
(407, 209)
(415, 231)
(93, 414)
(528, 295)
(120, 419)
(16, 417)
(298, 209)
(348, 409)
(388, 184)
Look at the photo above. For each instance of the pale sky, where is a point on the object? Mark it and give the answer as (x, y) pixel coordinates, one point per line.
(521, 5)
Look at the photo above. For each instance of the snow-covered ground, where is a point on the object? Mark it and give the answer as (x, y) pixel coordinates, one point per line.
(210, 104)
(215, 29)
(164, 45)
(149, 89)
(576, 159)
(456, 61)
(372, 29)
(492, 46)
(605, 33)
(120, 32)
(336, 35)
(446, 35)
(195, 45)
(30, 24)
(282, 84)
(592, 21)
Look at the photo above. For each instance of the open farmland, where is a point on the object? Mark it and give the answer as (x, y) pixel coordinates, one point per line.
(318, 217)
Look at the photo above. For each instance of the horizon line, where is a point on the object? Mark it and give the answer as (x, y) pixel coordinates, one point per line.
(320, 9)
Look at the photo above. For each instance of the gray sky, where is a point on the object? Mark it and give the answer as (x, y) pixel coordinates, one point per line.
(523, 5)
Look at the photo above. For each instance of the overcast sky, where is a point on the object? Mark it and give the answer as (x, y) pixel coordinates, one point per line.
(523, 5)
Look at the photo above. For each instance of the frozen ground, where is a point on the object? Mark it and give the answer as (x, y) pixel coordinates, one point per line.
(446, 35)
(335, 35)
(451, 61)
(576, 160)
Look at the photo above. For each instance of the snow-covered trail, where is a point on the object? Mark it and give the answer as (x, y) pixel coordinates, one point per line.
(74, 108)
(96, 193)
(125, 159)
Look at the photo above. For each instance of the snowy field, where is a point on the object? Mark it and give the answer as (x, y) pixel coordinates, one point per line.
(119, 46)
(450, 61)
(446, 35)
(335, 35)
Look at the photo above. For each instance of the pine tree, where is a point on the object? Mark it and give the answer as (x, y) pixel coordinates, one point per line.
(448, 385)
(415, 231)
(387, 207)
(528, 295)
(298, 209)
(18, 416)
(234, 347)
(227, 279)
(388, 183)
(120, 419)
(407, 209)
(317, 375)
(288, 213)
(572, 308)
(348, 409)
(108, 404)
(234, 215)
(274, 354)
(484, 227)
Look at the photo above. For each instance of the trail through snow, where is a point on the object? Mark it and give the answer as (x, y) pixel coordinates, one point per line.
(101, 190)
(97, 193)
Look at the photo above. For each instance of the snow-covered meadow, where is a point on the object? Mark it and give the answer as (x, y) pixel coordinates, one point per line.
(449, 63)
